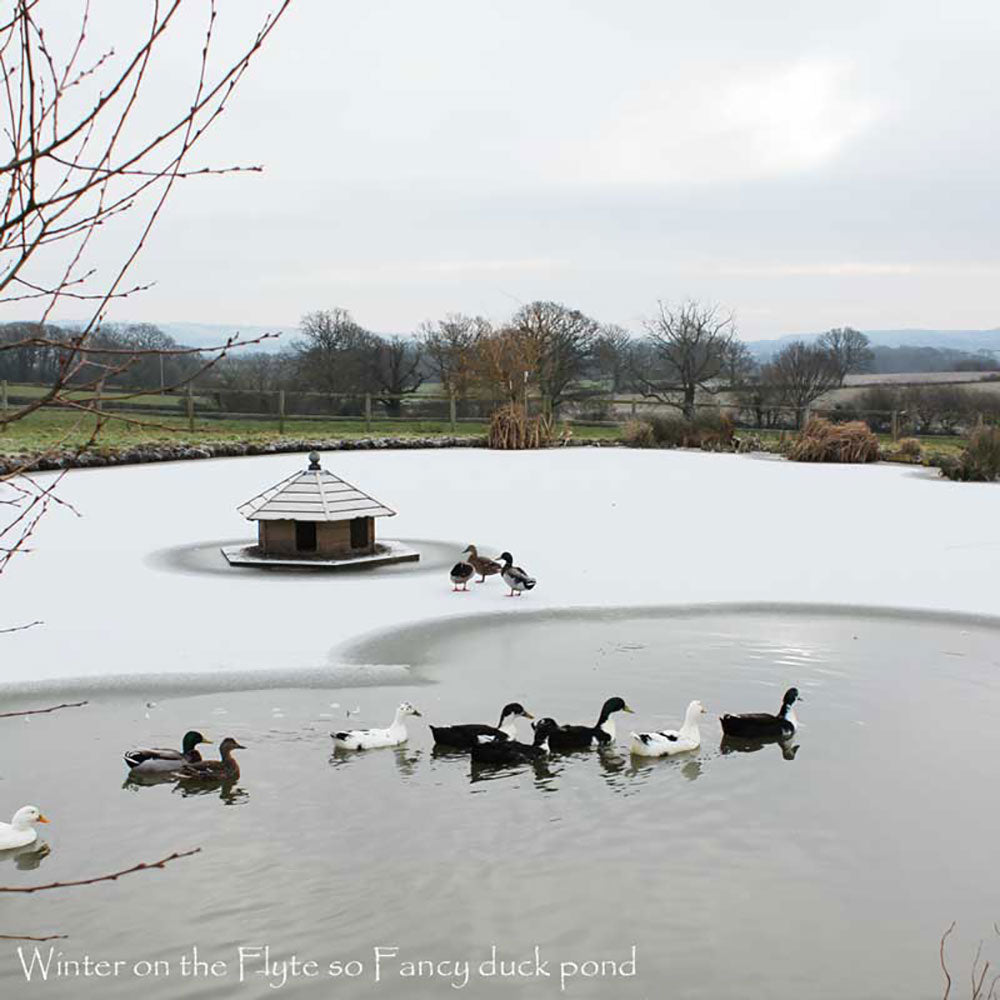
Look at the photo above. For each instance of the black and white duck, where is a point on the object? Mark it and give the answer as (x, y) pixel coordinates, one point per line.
(761, 724)
(483, 566)
(372, 739)
(667, 742)
(464, 737)
(157, 760)
(569, 738)
(461, 574)
(223, 769)
(504, 751)
(514, 576)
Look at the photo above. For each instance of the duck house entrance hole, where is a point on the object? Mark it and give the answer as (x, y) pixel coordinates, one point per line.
(305, 536)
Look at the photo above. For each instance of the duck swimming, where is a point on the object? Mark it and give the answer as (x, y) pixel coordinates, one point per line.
(461, 574)
(160, 761)
(499, 752)
(370, 739)
(514, 576)
(569, 738)
(760, 724)
(464, 737)
(667, 742)
(483, 566)
(224, 769)
(20, 831)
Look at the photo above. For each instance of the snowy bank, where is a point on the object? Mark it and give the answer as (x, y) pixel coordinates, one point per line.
(597, 527)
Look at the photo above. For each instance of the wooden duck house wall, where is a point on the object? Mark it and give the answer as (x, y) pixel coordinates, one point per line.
(321, 538)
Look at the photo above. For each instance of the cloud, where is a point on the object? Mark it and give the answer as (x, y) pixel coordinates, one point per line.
(712, 124)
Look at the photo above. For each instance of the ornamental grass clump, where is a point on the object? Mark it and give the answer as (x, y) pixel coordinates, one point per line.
(638, 434)
(707, 431)
(979, 462)
(823, 441)
(512, 429)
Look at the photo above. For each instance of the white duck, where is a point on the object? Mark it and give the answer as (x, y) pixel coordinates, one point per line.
(369, 739)
(20, 831)
(670, 741)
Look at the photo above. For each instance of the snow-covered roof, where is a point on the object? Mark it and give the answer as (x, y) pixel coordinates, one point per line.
(313, 495)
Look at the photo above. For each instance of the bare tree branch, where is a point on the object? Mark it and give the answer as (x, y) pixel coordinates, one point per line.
(141, 867)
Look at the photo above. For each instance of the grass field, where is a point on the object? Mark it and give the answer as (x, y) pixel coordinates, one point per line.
(48, 430)
(54, 429)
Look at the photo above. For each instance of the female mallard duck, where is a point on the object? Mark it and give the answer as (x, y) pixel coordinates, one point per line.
(461, 574)
(20, 831)
(759, 724)
(160, 761)
(503, 751)
(667, 742)
(369, 739)
(483, 566)
(568, 738)
(463, 737)
(514, 576)
(223, 769)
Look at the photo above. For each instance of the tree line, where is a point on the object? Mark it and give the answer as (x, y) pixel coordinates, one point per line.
(547, 351)
(551, 353)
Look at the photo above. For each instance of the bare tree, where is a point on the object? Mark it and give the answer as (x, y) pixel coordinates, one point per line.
(395, 364)
(335, 352)
(450, 345)
(563, 342)
(688, 349)
(803, 373)
(850, 348)
(87, 144)
(613, 355)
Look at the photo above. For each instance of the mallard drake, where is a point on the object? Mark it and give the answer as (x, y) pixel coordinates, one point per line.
(20, 831)
(461, 574)
(483, 566)
(759, 724)
(370, 739)
(568, 738)
(223, 769)
(503, 751)
(463, 737)
(667, 742)
(514, 576)
(159, 761)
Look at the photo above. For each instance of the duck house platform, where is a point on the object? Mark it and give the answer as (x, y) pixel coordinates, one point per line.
(316, 519)
(386, 553)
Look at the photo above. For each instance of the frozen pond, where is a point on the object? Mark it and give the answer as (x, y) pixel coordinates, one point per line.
(826, 873)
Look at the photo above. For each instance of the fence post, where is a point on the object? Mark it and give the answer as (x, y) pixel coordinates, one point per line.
(895, 425)
(190, 407)
(98, 405)
(281, 411)
(368, 412)
(3, 395)
(451, 411)
(633, 411)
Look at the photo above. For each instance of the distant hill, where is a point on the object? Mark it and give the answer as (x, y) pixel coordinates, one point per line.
(969, 341)
(212, 334)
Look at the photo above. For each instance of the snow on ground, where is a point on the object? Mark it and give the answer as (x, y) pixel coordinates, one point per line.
(598, 527)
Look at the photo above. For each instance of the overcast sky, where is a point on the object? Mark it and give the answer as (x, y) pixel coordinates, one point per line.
(802, 164)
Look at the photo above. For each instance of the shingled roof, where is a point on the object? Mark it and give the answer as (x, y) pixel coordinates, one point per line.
(313, 495)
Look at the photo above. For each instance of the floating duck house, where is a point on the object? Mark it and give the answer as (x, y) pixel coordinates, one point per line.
(316, 518)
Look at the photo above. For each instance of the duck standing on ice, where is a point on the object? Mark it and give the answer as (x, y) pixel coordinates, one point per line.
(514, 576)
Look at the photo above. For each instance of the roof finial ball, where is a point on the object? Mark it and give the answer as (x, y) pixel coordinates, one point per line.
(314, 461)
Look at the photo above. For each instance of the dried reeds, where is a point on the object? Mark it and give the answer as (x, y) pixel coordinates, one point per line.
(823, 441)
(512, 429)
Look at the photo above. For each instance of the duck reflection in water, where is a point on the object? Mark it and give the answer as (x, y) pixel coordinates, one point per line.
(27, 858)
(229, 791)
(739, 744)
(497, 772)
